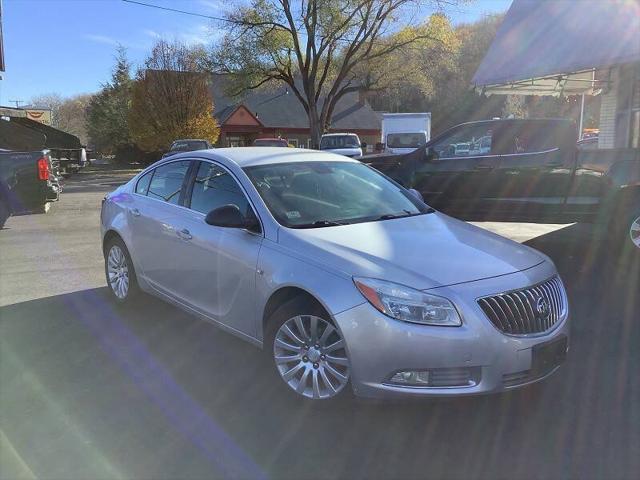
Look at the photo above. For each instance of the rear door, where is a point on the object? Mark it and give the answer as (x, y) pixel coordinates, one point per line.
(460, 177)
(153, 218)
(537, 160)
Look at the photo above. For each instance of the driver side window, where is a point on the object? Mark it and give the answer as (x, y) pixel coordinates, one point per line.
(466, 141)
(214, 187)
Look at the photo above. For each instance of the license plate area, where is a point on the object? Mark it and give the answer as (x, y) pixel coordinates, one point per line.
(546, 356)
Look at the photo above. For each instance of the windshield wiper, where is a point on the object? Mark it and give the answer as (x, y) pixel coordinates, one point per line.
(321, 223)
(391, 216)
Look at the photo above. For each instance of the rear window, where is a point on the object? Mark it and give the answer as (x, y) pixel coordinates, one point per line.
(534, 136)
(339, 141)
(143, 183)
(167, 181)
(188, 146)
(406, 140)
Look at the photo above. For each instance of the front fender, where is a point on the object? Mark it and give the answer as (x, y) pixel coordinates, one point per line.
(335, 292)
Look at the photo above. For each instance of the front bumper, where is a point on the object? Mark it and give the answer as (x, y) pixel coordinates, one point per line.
(380, 346)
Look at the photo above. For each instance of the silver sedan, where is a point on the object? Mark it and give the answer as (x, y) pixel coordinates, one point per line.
(344, 278)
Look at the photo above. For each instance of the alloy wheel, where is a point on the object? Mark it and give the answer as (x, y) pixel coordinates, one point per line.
(118, 272)
(634, 232)
(311, 357)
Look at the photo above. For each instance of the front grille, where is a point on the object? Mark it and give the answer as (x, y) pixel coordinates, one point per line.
(533, 309)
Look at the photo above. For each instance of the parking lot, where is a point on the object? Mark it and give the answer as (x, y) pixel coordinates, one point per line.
(94, 391)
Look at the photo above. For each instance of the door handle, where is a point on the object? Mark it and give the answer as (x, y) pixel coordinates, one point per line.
(135, 212)
(184, 234)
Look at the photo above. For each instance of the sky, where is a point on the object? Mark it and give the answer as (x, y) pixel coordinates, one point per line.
(68, 46)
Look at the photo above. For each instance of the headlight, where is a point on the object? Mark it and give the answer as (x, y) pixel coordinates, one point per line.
(407, 304)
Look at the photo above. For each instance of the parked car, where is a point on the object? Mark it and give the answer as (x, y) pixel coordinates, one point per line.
(404, 132)
(341, 275)
(26, 183)
(270, 142)
(188, 145)
(347, 144)
(526, 170)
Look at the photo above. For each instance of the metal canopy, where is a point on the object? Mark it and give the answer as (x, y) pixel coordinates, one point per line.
(553, 47)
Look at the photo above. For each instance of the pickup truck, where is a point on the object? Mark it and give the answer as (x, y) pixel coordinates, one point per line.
(523, 170)
(27, 184)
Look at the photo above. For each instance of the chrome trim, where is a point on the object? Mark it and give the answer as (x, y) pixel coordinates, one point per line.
(501, 155)
(516, 314)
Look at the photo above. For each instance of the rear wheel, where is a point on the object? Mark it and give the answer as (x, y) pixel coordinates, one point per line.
(44, 208)
(121, 276)
(308, 351)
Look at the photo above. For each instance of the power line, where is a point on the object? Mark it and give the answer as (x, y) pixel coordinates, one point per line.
(175, 10)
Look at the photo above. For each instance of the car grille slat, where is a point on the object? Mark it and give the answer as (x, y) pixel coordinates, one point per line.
(530, 310)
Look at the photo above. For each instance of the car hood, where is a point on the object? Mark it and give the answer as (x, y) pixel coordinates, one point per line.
(425, 251)
(348, 152)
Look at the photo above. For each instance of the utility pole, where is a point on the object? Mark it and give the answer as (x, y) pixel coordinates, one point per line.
(17, 102)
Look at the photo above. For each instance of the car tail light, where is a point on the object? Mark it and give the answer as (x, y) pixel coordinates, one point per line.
(43, 169)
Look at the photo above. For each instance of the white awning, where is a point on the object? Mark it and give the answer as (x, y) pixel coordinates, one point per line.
(553, 47)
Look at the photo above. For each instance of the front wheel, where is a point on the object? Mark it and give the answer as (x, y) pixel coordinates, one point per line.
(121, 276)
(308, 351)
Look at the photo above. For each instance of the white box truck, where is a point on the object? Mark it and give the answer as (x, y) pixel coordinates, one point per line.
(404, 132)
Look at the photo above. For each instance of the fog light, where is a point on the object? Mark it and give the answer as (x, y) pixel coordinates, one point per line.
(419, 379)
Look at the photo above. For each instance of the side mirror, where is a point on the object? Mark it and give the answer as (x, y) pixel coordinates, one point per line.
(430, 155)
(229, 216)
(416, 194)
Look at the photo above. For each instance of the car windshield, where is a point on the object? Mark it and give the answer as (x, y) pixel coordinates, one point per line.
(188, 146)
(322, 194)
(339, 141)
(406, 140)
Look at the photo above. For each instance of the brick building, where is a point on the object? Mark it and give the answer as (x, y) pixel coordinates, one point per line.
(278, 113)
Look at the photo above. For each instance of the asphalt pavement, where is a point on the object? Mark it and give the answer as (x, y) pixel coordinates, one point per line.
(92, 391)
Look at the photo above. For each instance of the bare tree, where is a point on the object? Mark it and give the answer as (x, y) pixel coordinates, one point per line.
(314, 46)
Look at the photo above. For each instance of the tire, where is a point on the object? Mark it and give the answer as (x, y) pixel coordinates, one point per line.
(319, 367)
(5, 213)
(119, 272)
(44, 208)
(630, 232)
(624, 229)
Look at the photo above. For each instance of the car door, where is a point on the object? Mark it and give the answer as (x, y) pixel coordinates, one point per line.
(537, 158)
(219, 263)
(153, 217)
(457, 175)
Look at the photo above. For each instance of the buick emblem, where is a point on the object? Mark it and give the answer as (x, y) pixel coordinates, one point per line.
(542, 307)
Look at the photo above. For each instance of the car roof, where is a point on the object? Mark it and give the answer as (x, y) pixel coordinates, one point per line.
(339, 134)
(253, 156)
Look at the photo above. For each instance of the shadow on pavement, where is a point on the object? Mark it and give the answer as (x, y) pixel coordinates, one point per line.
(90, 390)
